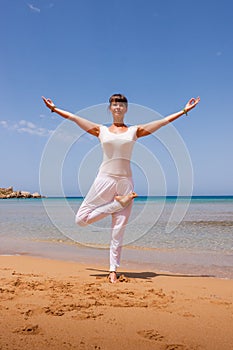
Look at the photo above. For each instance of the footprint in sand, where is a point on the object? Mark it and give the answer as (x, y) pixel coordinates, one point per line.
(123, 278)
(15, 273)
(175, 347)
(188, 314)
(27, 314)
(29, 329)
(154, 335)
(151, 334)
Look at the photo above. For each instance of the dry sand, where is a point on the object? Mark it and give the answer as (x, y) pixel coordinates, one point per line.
(49, 304)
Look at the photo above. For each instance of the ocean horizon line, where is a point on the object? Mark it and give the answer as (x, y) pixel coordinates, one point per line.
(154, 197)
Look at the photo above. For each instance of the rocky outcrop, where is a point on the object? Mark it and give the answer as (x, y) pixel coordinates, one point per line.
(10, 193)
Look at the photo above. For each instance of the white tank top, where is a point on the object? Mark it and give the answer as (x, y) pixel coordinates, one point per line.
(117, 151)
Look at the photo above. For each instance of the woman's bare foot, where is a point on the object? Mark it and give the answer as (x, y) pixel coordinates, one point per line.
(125, 200)
(112, 277)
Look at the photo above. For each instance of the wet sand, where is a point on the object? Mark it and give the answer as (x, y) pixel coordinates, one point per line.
(54, 304)
(211, 264)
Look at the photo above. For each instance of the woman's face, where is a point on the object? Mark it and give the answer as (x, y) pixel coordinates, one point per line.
(118, 108)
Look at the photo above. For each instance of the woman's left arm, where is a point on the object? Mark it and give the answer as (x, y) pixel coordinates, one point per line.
(149, 128)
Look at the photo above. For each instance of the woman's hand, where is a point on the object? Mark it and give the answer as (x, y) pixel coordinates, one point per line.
(49, 103)
(191, 104)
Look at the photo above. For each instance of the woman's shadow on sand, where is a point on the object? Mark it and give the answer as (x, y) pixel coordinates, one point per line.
(144, 275)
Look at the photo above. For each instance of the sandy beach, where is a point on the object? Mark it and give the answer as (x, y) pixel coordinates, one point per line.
(52, 304)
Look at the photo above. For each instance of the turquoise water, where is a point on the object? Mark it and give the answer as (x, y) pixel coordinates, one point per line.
(169, 233)
(207, 224)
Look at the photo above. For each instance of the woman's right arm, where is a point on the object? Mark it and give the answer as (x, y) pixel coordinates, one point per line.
(87, 125)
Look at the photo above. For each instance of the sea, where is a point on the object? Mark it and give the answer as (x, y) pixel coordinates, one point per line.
(164, 235)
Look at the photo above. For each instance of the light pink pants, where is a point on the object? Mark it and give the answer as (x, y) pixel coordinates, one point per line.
(100, 203)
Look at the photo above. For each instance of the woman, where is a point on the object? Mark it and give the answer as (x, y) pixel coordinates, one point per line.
(112, 191)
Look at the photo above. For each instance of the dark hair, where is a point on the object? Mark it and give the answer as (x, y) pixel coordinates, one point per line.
(118, 98)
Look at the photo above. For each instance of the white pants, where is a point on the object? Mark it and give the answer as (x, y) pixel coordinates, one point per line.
(100, 203)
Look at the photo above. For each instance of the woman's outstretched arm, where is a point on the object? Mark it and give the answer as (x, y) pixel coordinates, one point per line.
(149, 128)
(83, 123)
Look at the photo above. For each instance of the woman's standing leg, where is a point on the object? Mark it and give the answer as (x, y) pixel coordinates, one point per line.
(119, 222)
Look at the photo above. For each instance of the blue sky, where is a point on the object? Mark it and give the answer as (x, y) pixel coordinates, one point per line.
(159, 53)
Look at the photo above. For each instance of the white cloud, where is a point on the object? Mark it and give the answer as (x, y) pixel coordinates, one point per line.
(4, 123)
(27, 127)
(33, 8)
(35, 131)
(27, 124)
